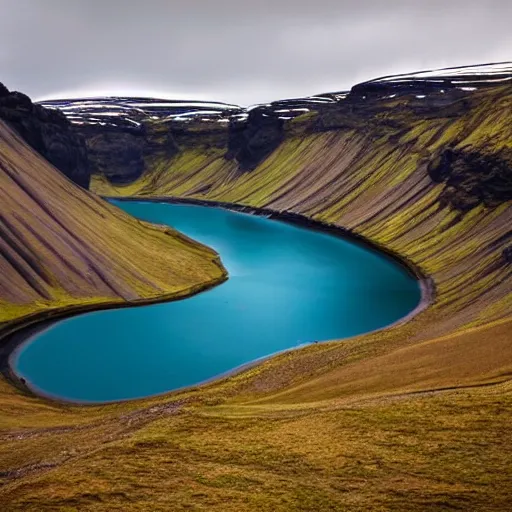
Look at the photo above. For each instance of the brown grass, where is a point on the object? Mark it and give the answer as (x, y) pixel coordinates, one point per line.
(398, 444)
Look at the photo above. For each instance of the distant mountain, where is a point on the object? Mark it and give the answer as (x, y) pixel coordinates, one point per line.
(131, 113)
(126, 135)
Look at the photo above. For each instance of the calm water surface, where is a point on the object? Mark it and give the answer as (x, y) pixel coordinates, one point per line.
(287, 286)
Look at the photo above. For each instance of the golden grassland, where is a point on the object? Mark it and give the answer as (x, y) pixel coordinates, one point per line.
(414, 417)
(385, 440)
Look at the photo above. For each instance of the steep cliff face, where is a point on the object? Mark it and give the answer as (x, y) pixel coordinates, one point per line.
(473, 176)
(62, 248)
(426, 174)
(49, 132)
(124, 135)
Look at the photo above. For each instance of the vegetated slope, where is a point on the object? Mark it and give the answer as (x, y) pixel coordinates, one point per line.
(378, 445)
(429, 178)
(62, 247)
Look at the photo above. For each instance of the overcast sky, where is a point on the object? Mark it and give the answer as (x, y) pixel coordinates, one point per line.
(238, 51)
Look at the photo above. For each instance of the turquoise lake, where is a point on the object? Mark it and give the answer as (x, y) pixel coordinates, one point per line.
(287, 286)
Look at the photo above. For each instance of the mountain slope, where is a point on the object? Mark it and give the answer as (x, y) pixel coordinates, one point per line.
(432, 182)
(62, 247)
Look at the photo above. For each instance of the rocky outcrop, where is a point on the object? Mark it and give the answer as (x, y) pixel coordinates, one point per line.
(120, 154)
(473, 176)
(251, 142)
(116, 155)
(49, 132)
(125, 136)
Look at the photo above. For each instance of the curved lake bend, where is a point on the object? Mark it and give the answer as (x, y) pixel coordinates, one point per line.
(287, 286)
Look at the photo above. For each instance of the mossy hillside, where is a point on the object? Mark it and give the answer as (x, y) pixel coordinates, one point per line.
(373, 179)
(65, 249)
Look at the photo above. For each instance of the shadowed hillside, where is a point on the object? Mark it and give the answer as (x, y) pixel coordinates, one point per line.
(49, 132)
(62, 247)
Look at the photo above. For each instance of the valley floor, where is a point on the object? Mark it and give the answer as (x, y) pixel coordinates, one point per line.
(363, 436)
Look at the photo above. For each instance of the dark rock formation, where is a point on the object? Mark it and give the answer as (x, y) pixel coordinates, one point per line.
(507, 254)
(48, 132)
(473, 176)
(116, 155)
(251, 143)
(119, 153)
(3, 90)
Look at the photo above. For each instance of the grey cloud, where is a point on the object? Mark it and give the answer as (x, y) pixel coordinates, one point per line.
(237, 51)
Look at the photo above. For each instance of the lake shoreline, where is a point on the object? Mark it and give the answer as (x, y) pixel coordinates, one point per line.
(427, 285)
(28, 328)
(20, 332)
